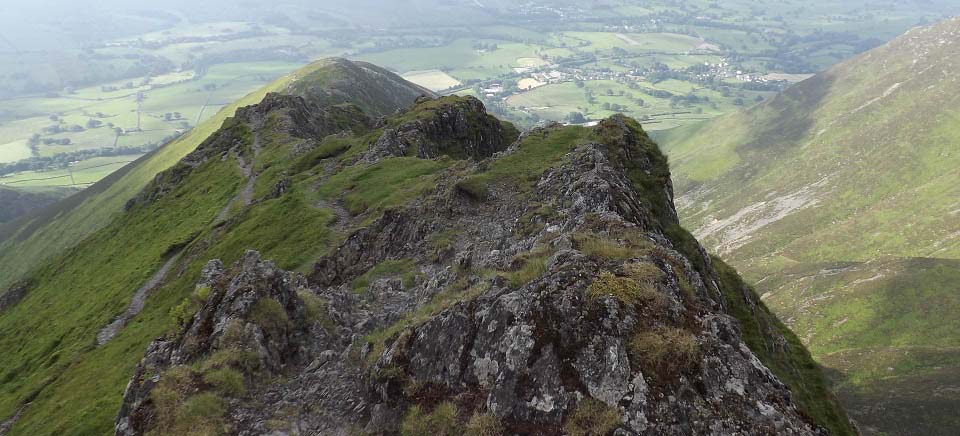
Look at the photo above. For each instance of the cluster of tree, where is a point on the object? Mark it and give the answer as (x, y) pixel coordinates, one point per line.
(228, 35)
(62, 160)
(764, 86)
(35, 141)
(395, 43)
(657, 93)
(687, 100)
(485, 46)
(576, 118)
(60, 128)
(578, 59)
(613, 107)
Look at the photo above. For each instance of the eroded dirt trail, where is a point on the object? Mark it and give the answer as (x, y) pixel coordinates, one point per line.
(136, 304)
(248, 171)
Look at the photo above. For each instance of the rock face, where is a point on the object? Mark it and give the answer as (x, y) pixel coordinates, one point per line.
(252, 311)
(12, 296)
(295, 116)
(458, 127)
(563, 303)
(375, 90)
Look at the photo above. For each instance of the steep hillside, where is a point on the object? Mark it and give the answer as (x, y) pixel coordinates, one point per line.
(855, 165)
(888, 328)
(24, 245)
(15, 203)
(431, 271)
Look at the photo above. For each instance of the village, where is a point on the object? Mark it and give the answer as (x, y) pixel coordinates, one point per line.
(525, 93)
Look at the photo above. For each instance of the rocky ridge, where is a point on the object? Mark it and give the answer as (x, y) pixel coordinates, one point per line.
(566, 302)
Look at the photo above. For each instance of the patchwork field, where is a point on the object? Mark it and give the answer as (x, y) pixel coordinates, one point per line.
(558, 101)
(95, 118)
(636, 42)
(461, 58)
(434, 80)
(81, 174)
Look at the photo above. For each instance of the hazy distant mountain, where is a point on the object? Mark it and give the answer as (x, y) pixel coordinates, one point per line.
(841, 199)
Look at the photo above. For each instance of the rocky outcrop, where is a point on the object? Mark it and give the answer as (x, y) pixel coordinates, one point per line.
(569, 304)
(299, 118)
(12, 296)
(458, 127)
(336, 96)
(252, 311)
(375, 90)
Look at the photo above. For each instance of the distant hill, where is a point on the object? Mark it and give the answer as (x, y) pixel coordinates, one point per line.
(840, 198)
(15, 203)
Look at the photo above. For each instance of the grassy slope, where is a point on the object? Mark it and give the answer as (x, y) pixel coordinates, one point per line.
(792, 363)
(840, 138)
(886, 330)
(855, 165)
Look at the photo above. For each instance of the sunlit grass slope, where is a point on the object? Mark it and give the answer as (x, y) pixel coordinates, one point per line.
(840, 198)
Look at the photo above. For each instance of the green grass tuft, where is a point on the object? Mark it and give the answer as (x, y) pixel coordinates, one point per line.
(387, 183)
(638, 288)
(270, 315)
(180, 411)
(533, 265)
(667, 351)
(226, 381)
(484, 424)
(405, 269)
(442, 421)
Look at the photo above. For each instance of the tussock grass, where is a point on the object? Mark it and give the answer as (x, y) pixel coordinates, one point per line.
(638, 288)
(316, 309)
(484, 424)
(537, 152)
(270, 315)
(442, 421)
(387, 183)
(592, 417)
(532, 266)
(226, 381)
(180, 411)
(666, 351)
(616, 244)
